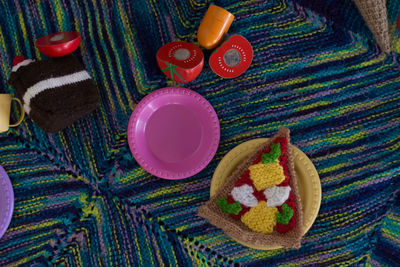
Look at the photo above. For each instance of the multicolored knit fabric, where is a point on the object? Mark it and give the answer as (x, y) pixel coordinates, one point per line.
(82, 199)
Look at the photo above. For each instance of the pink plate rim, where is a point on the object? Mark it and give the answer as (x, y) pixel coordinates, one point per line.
(165, 174)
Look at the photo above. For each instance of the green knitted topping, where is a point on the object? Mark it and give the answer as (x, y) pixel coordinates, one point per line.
(229, 208)
(272, 155)
(285, 216)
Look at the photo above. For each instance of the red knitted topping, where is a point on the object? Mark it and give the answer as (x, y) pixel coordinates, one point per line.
(245, 179)
(285, 228)
(241, 213)
(283, 160)
(17, 60)
(290, 201)
(283, 142)
(260, 196)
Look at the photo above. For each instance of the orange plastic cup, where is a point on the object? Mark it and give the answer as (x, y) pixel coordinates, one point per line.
(214, 26)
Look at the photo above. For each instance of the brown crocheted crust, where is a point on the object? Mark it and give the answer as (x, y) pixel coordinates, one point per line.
(239, 231)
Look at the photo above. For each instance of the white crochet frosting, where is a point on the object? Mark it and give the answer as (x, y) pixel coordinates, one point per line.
(276, 195)
(25, 62)
(52, 83)
(244, 194)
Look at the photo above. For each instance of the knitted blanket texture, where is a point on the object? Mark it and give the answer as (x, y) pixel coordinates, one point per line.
(81, 199)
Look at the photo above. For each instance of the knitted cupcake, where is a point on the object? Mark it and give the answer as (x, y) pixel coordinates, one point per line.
(55, 92)
(260, 202)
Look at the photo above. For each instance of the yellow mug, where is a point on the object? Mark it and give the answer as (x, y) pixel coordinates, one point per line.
(5, 109)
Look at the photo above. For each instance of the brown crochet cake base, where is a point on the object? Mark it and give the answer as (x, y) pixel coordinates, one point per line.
(235, 228)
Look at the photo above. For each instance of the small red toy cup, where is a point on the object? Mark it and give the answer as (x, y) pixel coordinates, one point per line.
(180, 61)
(232, 58)
(58, 44)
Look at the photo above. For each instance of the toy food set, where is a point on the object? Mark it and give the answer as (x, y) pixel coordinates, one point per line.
(180, 61)
(173, 132)
(5, 110)
(260, 201)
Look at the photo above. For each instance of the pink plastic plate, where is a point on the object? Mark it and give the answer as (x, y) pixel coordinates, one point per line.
(173, 133)
(6, 201)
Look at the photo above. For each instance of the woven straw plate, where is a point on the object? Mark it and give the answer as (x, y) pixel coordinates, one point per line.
(309, 183)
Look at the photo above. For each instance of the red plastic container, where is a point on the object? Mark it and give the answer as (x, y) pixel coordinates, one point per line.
(180, 61)
(58, 44)
(232, 58)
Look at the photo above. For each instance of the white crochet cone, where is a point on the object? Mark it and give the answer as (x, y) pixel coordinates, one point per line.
(375, 15)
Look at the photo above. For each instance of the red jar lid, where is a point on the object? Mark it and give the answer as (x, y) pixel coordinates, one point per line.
(58, 44)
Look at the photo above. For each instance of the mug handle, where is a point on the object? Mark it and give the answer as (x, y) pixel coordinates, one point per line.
(21, 108)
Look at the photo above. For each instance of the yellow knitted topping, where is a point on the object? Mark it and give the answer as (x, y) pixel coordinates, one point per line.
(266, 175)
(261, 218)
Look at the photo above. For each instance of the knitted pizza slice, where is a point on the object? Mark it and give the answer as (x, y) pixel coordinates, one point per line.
(260, 202)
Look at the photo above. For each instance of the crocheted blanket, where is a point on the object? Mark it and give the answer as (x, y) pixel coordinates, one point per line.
(81, 199)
